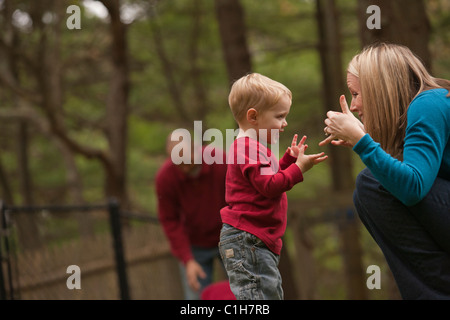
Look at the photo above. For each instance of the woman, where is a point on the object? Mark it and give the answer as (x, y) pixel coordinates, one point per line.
(403, 196)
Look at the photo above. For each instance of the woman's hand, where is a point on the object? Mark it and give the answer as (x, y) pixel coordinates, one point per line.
(342, 128)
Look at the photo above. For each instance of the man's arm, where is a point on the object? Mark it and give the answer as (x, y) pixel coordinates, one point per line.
(170, 219)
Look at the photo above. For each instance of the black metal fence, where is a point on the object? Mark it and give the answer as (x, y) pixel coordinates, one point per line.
(125, 255)
(9, 247)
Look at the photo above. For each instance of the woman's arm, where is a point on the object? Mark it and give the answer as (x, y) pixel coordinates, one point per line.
(426, 137)
(425, 140)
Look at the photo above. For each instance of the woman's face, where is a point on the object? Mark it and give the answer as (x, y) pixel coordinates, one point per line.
(355, 90)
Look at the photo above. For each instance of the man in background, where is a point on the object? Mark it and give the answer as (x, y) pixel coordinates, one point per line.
(190, 197)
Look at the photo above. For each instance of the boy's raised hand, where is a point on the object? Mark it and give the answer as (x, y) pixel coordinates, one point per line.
(304, 161)
(294, 149)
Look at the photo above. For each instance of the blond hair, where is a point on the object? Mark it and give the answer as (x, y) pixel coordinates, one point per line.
(255, 91)
(390, 77)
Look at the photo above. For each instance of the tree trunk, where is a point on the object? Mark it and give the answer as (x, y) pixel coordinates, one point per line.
(174, 90)
(28, 230)
(200, 92)
(340, 158)
(117, 107)
(402, 21)
(23, 163)
(230, 16)
(304, 258)
(233, 35)
(333, 86)
(6, 194)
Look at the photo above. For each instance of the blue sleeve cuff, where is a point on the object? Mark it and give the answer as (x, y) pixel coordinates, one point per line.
(361, 145)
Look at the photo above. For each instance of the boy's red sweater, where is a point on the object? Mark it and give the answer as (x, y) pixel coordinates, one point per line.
(256, 185)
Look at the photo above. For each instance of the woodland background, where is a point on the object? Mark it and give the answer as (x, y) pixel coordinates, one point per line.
(84, 114)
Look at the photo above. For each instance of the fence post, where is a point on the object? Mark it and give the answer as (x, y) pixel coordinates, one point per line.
(116, 229)
(2, 278)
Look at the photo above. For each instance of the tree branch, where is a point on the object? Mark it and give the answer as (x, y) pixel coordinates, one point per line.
(29, 114)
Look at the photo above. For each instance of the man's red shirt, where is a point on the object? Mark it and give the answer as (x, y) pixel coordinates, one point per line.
(189, 206)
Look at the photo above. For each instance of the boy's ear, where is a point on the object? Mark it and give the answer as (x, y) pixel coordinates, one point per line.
(252, 115)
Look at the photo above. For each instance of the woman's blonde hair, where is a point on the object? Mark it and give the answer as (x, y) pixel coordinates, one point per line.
(390, 77)
(255, 91)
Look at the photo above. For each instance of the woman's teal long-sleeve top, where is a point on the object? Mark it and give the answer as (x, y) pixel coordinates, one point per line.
(426, 153)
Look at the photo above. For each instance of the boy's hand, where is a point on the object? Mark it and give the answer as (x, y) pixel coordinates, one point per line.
(294, 149)
(305, 162)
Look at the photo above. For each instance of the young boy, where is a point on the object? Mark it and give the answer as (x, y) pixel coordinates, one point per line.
(255, 218)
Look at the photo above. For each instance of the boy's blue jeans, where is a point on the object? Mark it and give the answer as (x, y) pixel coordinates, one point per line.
(415, 240)
(251, 267)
